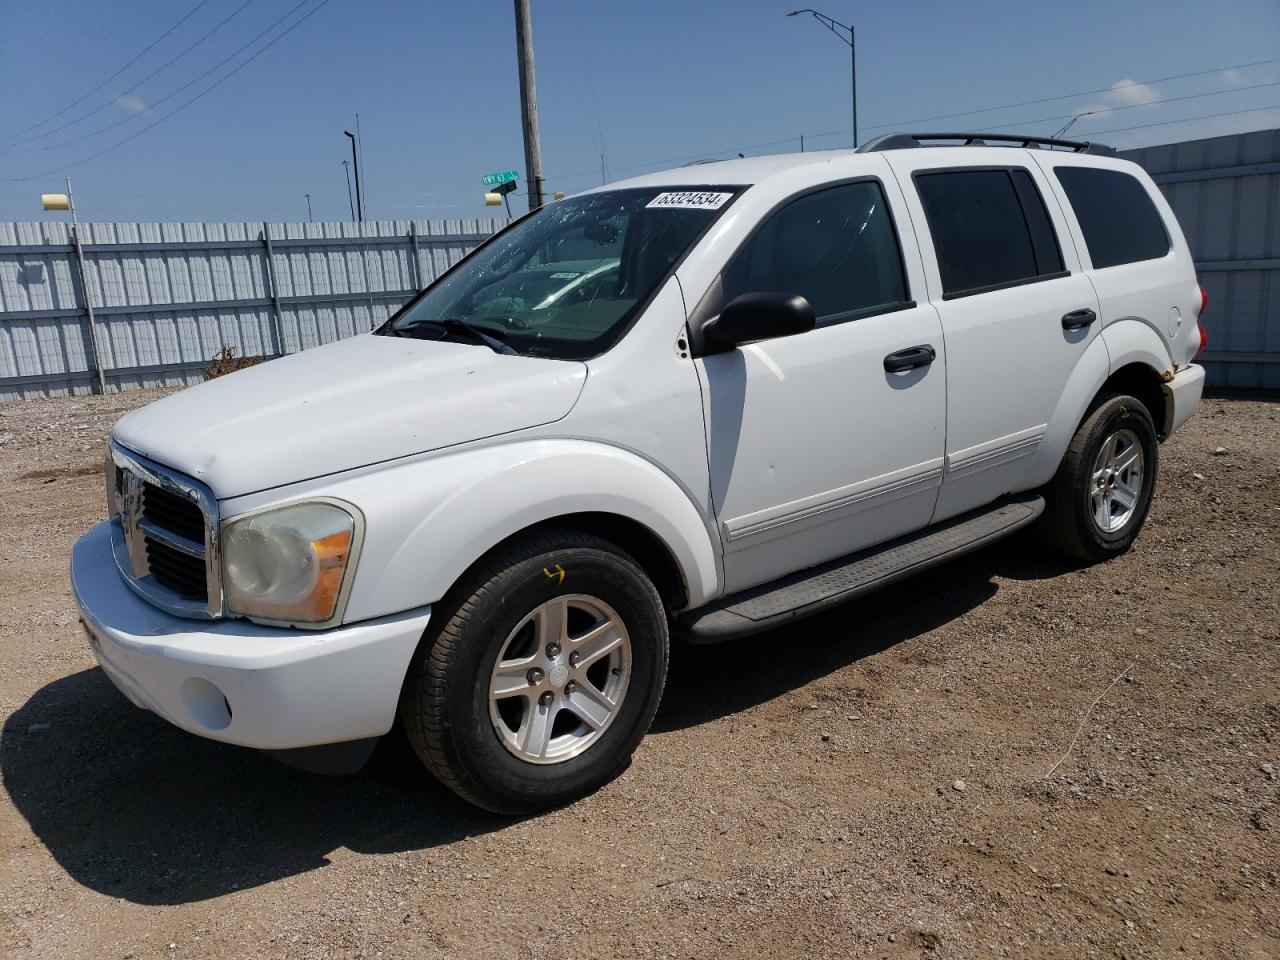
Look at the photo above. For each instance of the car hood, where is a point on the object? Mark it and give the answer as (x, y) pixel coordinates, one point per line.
(344, 405)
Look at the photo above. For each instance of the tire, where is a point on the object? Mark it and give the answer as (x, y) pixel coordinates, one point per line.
(1076, 521)
(515, 754)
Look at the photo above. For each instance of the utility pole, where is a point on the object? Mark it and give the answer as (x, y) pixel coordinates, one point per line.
(308, 196)
(346, 165)
(529, 103)
(355, 161)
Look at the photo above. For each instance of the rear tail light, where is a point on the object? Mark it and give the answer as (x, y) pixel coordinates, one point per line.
(1200, 330)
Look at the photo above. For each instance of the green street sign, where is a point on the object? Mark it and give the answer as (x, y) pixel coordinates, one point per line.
(507, 176)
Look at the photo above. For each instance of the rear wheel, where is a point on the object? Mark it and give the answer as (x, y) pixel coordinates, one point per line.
(1100, 496)
(540, 675)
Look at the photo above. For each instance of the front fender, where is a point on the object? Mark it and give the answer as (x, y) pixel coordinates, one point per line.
(427, 521)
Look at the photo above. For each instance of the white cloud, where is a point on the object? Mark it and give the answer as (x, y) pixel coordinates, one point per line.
(1123, 93)
(1130, 93)
(132, 104)
(1232, 78)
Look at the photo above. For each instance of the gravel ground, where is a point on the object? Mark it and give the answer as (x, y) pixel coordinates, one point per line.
(867, 783)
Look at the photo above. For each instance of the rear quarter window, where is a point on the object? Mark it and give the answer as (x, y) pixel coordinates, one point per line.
(1119, 221)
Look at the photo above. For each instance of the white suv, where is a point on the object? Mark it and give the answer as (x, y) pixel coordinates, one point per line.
(703, 401)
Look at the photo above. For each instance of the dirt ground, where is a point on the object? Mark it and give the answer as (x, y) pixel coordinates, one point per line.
(799, 795)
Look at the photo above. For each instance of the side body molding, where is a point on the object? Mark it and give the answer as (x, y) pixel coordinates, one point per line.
(428, 519)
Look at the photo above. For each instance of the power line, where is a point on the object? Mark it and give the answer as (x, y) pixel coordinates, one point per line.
(84, 96)
(1067, 96)
(906, 123)
(164, 66)
(1205, 116)
(200, 76)
(227, 76)
(1130, 106)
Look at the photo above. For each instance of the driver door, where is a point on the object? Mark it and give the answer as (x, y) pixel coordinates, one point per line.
(815, 449)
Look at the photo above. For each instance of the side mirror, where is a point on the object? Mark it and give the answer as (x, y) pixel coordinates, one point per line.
(757, 316)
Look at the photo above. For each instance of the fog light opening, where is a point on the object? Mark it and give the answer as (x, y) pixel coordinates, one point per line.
(206, 704)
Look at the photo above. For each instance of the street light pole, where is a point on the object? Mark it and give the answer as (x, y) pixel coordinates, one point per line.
(355, 161)
(529, 103)
(835, 26)
(308, 196)
(67, 201)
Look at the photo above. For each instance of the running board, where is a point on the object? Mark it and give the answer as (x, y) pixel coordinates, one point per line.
(819, 588)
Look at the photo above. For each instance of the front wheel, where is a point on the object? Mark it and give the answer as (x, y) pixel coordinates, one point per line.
(1100, 496)
(540, 674)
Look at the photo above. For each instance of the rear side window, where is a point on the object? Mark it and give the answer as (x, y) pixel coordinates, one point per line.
(990, 229)
(836, 247)
(1119, 221)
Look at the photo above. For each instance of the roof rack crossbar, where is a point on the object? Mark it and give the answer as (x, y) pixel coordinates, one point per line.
(903, 141)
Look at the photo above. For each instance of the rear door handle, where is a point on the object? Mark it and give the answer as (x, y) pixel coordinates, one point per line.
(910, 358)
(1078, 319)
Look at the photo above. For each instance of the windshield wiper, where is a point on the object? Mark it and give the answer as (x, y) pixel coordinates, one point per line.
(457, 326)
(489, 341)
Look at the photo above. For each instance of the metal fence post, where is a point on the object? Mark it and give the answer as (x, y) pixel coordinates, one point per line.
(273, 292)
(95, 363)
(417, 270)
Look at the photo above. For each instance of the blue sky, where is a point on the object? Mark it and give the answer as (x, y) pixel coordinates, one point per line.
(649, 84)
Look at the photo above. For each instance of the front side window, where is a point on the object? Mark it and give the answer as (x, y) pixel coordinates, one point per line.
(836, 247)
(1118, 219)
(990, 229)
(566, 282)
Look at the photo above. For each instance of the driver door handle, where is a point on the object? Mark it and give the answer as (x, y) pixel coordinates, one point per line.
(910, 358)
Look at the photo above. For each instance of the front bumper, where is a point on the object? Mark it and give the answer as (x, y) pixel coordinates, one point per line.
(239, 682)
(1183, 393)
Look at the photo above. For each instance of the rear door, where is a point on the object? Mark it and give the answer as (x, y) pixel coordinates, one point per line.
(1017, 312)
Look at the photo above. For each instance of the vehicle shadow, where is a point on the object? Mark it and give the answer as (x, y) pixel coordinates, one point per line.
(134, 808)
(707, 682)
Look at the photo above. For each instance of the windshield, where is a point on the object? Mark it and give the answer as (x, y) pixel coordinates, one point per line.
(567, 281)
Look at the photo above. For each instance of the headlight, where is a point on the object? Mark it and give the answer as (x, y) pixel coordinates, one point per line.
(289, 565)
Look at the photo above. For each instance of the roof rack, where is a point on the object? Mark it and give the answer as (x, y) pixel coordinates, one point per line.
(904, 141)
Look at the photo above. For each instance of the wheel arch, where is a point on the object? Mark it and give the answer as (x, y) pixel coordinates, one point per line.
(1140, 365)
(1143, 383)
(453, 511)
(1129, 357)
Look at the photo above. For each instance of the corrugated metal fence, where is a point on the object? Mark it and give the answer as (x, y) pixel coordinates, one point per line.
(167, 296)
(1226, 193)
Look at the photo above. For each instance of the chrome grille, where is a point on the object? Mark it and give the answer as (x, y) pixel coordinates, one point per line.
(172, 512)
(165, 535)
(180, 572)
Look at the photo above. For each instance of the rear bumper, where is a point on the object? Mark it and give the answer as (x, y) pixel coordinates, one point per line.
(238, 682)
(1183, 393)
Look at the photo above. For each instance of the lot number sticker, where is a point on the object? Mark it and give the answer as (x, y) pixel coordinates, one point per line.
(690, 200)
